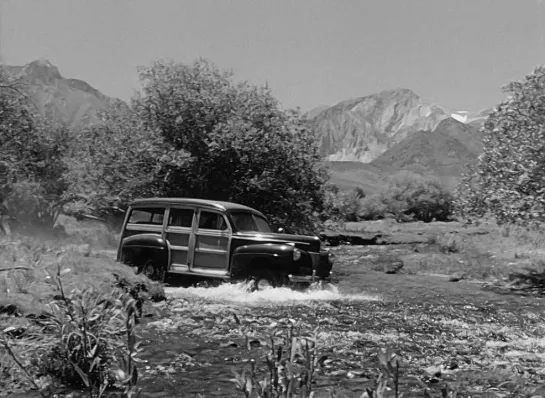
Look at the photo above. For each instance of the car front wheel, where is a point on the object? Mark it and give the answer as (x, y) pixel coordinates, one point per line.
(265, 279)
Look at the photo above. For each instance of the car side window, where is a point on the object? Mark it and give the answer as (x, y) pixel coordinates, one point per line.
(181, 218)
(209, 220)
(152, 216)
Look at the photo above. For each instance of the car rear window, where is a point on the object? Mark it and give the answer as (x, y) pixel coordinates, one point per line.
(149, 215)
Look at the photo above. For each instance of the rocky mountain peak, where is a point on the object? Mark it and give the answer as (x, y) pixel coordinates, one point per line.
(71, 101)
(362, 129)
(41, 71)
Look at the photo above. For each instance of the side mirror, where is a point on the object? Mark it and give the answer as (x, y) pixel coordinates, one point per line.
(280, 230)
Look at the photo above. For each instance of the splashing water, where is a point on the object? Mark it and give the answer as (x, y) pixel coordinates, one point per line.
(240, 293)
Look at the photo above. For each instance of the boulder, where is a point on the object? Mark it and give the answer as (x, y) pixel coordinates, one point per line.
(456, 277)
(393, 267)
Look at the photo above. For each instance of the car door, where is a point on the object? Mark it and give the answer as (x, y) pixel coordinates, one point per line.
(179, 235)
(212, 241)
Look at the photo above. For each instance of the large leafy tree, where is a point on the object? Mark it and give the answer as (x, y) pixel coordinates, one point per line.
(111, 162)
(231, 141)
(509, 178)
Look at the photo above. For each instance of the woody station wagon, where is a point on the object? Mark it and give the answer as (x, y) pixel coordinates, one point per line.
(215, 239)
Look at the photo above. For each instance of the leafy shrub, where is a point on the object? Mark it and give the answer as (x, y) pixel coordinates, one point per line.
(449, 243)
(373, 208)
(342, 206)
(507, 181)
(409, 196)
(32, 148)
(110, 163)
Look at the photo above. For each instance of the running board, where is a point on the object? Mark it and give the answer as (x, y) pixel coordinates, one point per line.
(184, 270)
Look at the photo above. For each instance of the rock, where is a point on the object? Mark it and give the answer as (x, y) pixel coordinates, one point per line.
(393, 267)
(456, 277)
(9, 309)
(420, 248)
(434, 371)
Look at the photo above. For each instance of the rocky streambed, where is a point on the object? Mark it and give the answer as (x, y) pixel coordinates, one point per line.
(449, 336)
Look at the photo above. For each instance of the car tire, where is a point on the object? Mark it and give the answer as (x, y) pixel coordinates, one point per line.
(265, 279)
(153, 271)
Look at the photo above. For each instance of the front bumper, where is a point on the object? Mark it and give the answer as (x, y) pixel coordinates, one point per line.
(308, 278)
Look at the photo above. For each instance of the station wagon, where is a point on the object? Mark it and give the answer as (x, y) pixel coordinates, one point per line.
(215, 239)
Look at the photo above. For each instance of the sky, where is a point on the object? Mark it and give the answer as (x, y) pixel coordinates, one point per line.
(456, 53)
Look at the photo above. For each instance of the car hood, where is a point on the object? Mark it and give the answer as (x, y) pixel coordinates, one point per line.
(303, 242)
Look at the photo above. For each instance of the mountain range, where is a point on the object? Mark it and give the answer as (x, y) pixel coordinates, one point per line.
(367, 139)
(73, 101)
(364, 140)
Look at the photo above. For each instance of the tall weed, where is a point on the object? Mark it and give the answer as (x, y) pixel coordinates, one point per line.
(85, 340)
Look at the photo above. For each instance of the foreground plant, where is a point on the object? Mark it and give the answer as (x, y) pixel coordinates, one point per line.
(86, 340)
(290, 366)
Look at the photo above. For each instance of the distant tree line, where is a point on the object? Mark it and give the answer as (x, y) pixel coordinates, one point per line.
(406, 196)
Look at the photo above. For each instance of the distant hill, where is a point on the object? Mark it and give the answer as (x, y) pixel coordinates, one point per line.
(443, 152)
(362, 129)
(73, 101)
(315, 112)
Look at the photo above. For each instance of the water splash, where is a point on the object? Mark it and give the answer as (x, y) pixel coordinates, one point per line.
(240, 293)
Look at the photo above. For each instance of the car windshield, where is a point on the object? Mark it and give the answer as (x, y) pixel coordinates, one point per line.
(250, 222)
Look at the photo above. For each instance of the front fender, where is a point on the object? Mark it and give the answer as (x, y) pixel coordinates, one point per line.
(277, 256)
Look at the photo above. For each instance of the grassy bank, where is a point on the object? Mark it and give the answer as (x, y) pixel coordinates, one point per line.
(482, 250)
(68, 315)
(26, 265)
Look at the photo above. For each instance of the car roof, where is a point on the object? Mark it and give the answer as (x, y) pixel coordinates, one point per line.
(214, 204)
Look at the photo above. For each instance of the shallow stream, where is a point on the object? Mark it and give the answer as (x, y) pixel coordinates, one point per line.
(196, 347)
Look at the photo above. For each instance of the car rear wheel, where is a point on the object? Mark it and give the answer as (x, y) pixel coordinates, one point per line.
(152, 271)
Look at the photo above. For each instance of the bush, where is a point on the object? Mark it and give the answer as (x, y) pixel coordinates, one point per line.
(507, 181)
(32, 151)
(109, 164)
(409, 196)
(406, 197)
(342, 206)
(449, 243)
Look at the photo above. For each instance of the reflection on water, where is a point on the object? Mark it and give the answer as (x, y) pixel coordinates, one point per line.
(240, 293)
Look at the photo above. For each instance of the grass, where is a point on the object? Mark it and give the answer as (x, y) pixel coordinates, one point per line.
(75, 311)
(483, 250)
(26, 263)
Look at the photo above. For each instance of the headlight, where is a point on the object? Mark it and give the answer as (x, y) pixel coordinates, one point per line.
(331, 257)
(296, 254)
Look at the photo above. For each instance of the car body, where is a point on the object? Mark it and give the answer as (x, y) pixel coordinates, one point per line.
(216, 239)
